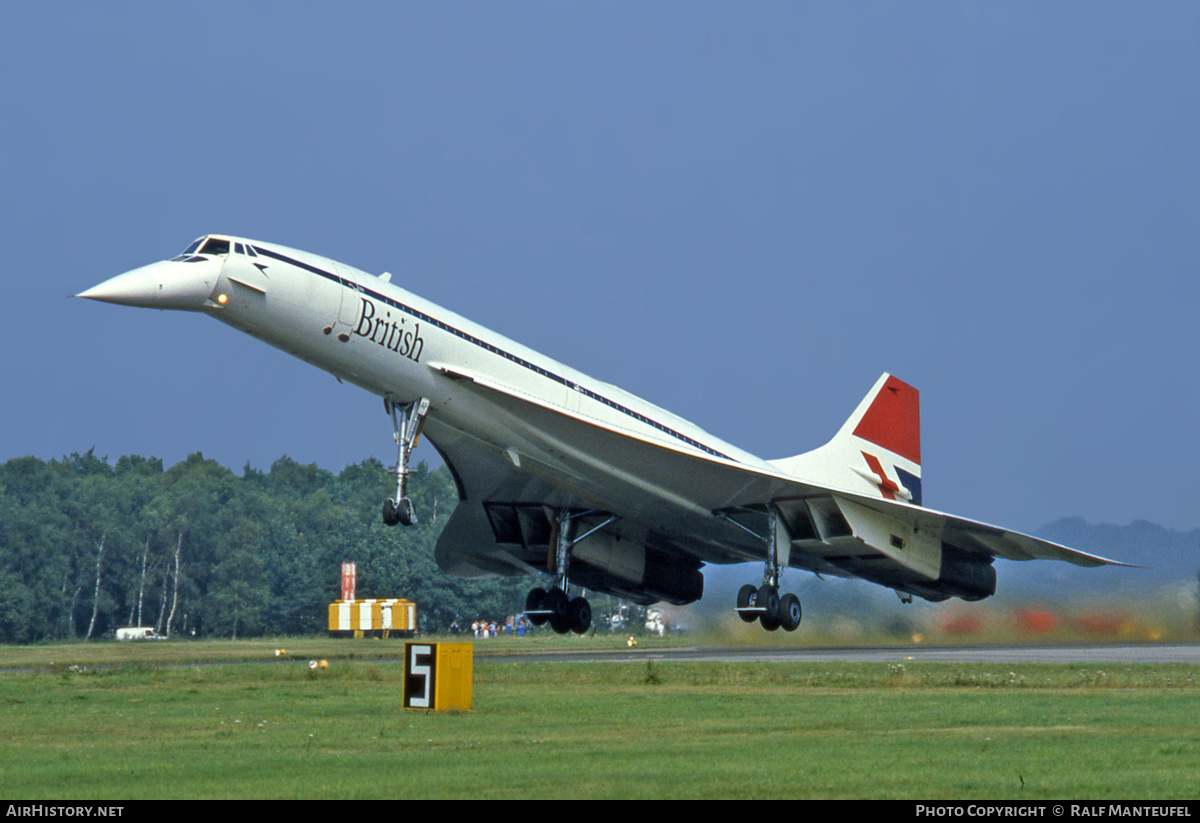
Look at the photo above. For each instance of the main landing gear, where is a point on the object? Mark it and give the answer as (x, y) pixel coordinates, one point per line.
(557, 607)
(763, 603)
(565, 614)
(399, 509)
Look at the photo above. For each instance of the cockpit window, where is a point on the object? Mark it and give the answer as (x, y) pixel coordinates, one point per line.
(192, 247)
(215, 245)
(237, 247)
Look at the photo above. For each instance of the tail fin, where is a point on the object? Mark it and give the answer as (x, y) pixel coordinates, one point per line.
(877, 450)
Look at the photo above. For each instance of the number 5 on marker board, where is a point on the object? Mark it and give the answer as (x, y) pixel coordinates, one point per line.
(437, 676)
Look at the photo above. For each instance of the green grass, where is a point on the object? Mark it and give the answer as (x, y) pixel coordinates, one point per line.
(128, 728)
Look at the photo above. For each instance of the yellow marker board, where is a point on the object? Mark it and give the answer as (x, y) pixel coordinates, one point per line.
(438, 676)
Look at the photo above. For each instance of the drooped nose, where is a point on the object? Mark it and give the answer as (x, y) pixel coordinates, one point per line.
(169, 284)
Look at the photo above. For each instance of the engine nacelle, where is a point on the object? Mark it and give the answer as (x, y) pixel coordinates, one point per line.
(966, 576)
(644, 575)
(910, 559)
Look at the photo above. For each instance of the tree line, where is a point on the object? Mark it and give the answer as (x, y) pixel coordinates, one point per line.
(195, 550)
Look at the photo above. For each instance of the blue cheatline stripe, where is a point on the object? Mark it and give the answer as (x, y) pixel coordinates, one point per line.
(358, 288)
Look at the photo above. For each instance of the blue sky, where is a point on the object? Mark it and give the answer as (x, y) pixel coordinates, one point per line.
(744, 212)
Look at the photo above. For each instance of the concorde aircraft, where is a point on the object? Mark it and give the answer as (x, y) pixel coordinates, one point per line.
(560, 473)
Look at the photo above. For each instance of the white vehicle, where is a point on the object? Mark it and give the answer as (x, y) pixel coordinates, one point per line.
(138, 633)
(561, 473)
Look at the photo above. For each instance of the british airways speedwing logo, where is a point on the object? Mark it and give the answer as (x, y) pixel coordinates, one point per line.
(908, 487)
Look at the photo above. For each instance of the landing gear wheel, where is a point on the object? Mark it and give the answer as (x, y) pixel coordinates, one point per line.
(768, 599)
(403, 513)
(747, 597)
(558, 604)
(535, 601)
(789, 612)
(579, 615)
(408, 514)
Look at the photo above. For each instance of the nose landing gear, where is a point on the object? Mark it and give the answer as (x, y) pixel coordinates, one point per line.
(399, 509)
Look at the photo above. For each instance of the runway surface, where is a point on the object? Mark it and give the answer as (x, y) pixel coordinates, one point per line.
(1126, 654)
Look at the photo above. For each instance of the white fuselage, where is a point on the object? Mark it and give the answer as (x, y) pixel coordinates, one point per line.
(393, 343)
(368, 331)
